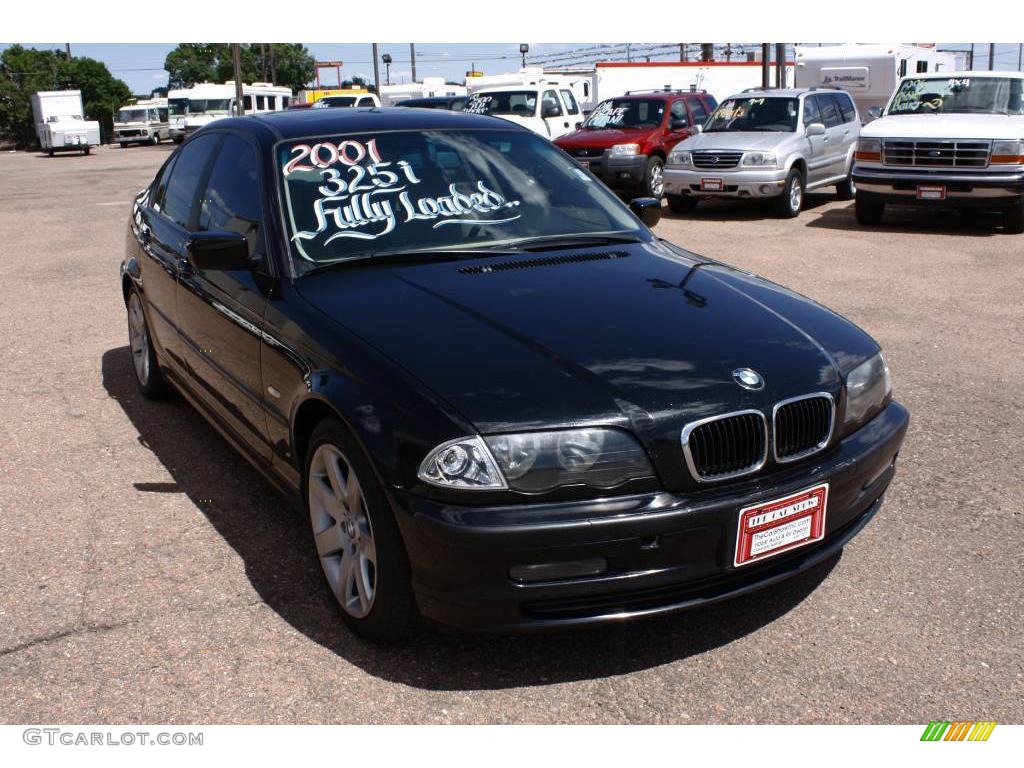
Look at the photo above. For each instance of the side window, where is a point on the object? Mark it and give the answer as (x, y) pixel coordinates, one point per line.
(231, 202)
(162, 114)
(249, 105)
(922, 66)
(829, 111)
(846, 107)
(366, 101)
(678, 111)
(811, 112)
(903, 68)
(285, 101)
(550, 101)
(586, 90)
(188, 169)
(570, 101)
(697, 111)
(158, 192)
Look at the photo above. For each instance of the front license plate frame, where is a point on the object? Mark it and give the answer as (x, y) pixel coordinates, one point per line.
(931, 191)
(781, 524)
(712, 184)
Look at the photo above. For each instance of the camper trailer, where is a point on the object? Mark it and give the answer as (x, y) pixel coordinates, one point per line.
(60, 126)
(192, 108)
(430, 87)
(144, 122)
(869, 73)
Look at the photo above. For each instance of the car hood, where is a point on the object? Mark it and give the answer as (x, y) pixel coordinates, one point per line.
(945, 127)
(641, 336)
(603, 138)
(738, 140)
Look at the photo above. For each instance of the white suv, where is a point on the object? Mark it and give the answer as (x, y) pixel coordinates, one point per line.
(951, 140)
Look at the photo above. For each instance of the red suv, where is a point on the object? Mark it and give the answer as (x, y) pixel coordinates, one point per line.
(625, 140)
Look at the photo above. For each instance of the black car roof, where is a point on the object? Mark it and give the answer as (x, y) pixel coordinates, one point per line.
(430, 100)
(299, 123)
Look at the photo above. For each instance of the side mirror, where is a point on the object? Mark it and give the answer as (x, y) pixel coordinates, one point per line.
(551, 112)
(222, 251)
(647, 209)
(874, 112)
(697, 128)
(677, 124)
(579, 126)
(815, 129)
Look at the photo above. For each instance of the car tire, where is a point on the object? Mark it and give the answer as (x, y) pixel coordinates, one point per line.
(1013, 220)
(86, 150)
(654, 181)
(140, 346)
(789, 204)
(869, 212)
(154, 139)
(682, 203)
(846, 189)
(124, 145)
(355, 537)
(49, 152)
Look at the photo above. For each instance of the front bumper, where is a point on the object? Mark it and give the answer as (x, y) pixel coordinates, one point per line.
(132, 139)
(617, 170)
(753, 182)
(664, 552)
(962, 189)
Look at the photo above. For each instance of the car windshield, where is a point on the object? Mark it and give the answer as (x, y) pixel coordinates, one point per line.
(398, 192)
(131, 115)
(521, 103)
(177, 106)
(964, 95)
(756, 113)
(208, 106)
(626, 113)
(336, 101)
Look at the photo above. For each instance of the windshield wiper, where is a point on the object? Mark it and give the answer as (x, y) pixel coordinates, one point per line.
(415, 255)
(546, 242)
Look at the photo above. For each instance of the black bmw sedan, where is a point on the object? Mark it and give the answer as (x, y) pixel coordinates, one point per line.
(501, 400)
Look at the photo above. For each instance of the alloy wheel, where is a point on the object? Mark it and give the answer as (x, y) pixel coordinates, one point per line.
(138, 338)
(657, 180)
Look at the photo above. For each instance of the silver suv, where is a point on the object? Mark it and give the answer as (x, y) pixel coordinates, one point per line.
(767, 143)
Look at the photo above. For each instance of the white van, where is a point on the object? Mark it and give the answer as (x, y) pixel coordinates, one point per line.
(144, 122)
(549, 109)
(192, 108)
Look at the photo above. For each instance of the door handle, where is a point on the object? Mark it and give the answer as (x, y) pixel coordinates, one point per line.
(184, 267)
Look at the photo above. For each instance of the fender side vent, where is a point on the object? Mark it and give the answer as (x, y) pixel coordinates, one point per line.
(550, 261)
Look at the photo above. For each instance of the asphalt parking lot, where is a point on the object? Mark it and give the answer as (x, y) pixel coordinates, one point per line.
(148, 574)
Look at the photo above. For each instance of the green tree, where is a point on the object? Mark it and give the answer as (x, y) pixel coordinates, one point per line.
(24, 71)
(289, 64)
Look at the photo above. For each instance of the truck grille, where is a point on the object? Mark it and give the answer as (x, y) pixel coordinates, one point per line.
(802, 426)
(710, 159)
(936, 154)
(586, 152)
(726, 446)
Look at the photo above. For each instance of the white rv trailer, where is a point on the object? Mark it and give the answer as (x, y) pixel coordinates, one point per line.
(430, 87)
(59, 123)
(869, 73)
(192, 108)
(144, 122)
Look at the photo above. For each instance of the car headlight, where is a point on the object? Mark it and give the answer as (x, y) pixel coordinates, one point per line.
(758, 158)
(537, 461)
(867, 387)
(680, 157)
(620, 150)
(868, 149)
(1007, 152)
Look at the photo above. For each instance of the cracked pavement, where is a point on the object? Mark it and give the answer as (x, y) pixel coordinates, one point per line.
(148, 574)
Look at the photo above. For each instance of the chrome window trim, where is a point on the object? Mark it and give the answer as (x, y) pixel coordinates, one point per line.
(814, 449)
(688, 430)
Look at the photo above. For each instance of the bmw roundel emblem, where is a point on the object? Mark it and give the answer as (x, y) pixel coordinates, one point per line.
(748, 378)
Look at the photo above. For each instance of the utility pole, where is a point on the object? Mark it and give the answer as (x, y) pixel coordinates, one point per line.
(970, 61)
(263, 62)
(237, 58)
(780, 65)
(682, 51)
(766, 56)
(376, 71)
(991, 56)
(273, 67)
(412, 58)
(1020, 57)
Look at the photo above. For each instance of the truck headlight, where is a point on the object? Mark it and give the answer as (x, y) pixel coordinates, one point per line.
(622, 150)
(867, 388)
(680, 157)
(759, 159)
(537, 461)
(869, 150)
(1007, 152)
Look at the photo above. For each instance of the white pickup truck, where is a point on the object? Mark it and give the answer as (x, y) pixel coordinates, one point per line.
(549, 108)
(950, 140)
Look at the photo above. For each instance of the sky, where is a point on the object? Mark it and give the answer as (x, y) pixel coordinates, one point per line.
(140, 65)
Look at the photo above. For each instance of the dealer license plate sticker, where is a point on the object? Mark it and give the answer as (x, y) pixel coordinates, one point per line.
(711, 185)
(931, 192)
(780, 525)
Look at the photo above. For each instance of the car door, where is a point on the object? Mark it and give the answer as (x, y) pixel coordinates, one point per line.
(851, 129)
(572, 109)
(835, 134)
(817, 152)
(553, 114)
(221, 312)
(163, 232)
